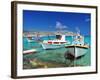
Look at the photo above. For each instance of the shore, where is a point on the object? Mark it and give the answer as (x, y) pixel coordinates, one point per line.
(41, 34)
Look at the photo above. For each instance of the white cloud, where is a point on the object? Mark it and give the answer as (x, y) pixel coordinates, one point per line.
(59, 25)
(77, 29)
(87, 20)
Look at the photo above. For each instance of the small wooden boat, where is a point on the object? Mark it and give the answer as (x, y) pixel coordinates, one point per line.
(78, 47)
(30, 39)
(35, 38)
(76, 51)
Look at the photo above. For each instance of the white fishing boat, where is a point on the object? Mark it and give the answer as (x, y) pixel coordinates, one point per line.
(57, 43)
(76, 51)
(34, 38)
(78, 48)
(30, 39)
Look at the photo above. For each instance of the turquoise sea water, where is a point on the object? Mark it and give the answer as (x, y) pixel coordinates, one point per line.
(52, 58)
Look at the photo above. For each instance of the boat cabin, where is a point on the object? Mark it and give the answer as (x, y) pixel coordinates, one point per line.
(61, 37)
(58, 37)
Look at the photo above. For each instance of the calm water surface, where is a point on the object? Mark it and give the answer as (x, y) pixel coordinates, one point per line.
(52, 58)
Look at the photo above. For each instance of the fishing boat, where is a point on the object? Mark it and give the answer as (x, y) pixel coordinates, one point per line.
(56, 43)
(78, 48)
(76, 51)
(30, 39)
(34, 38)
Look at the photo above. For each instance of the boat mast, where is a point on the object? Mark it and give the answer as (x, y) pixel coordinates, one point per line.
(49, 37)
(80, 36)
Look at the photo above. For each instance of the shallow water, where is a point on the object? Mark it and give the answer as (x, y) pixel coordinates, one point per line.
(52, 58)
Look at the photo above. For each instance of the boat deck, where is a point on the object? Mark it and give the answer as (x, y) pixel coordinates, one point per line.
(79, 46)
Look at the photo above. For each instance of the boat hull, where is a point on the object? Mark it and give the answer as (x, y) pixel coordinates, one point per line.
(76, 51)
(51, 46)
(30, 40)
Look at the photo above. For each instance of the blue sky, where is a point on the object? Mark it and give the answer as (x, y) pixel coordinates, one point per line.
(49, 21)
